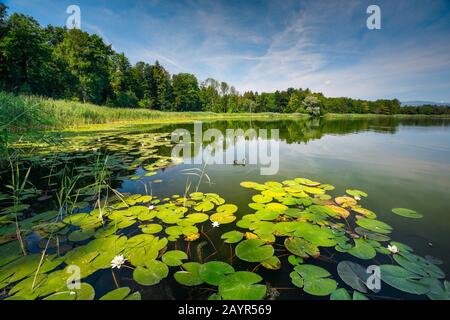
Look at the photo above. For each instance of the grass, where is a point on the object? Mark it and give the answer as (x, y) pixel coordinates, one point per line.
(31, 115)
(372, 115)
(21, 113)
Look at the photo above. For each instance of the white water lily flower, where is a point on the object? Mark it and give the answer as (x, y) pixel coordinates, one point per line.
(72, 293)
(118, 261)
(215, 224)
(393, 249)
(151, 207)
(357, 198)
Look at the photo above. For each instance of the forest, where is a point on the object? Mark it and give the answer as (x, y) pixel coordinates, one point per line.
(73, 65)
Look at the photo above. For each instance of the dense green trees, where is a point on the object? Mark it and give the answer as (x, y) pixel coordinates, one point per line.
(74, 65)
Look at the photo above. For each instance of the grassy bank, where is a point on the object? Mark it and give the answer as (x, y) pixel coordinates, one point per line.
(21, 113)
(24, 113)
(371, 115)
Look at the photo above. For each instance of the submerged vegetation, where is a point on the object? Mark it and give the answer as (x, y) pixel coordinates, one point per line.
(321, 243)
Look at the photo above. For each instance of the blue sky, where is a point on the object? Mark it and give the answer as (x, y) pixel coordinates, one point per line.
(270, 45)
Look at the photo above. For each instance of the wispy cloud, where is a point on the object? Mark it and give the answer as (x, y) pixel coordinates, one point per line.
(268, 45)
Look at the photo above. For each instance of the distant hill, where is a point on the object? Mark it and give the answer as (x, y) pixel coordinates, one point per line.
(421, 103)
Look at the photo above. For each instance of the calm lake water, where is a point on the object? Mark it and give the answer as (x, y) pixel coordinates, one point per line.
(398, 162)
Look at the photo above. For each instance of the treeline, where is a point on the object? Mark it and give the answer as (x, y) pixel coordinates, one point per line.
(74, 65)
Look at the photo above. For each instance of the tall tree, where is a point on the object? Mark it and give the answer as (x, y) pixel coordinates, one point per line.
(186, 92)
(161, 88)
(25, 54)
(86, 57)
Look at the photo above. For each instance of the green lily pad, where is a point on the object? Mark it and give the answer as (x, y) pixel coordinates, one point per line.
(81, 235)
(301, 247)
(117, 294)
(254, 250)
(190, 275)
(402, 279)
(150, 274)
(374, 225)
(407, 213)
(353, 274)
(152, 228)
(232, 236)
(362, 250)
(315, 280)
(174, 258)
(214, 271)
(273, 263)
(259, 198)
(204, 206)
(356, 193)
(340, 294)
(242, 285)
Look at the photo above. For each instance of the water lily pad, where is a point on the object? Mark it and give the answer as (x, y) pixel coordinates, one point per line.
(315, 280)
(222, 217)
(356, 193)
(353, 274)
(150, 274)
(197, 217)
(262, 199)
(339, 211)
(403, 279)
(151, 228)
(117, 294)
(374, 225)
(190, 275)
(174, 258)
(362, 250)
(242, 285)
(345, 201)
(340, 294)
(254, 250)
(273, 263)
(232, 236)
(407, 213)
(204, 206)
(228, 208)
(248, 184)
(214, 271)
(295, 260)
(301, 247)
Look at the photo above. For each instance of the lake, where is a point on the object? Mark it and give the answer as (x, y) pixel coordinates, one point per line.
(398, 162)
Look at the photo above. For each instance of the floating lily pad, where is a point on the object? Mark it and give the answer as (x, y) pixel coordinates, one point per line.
(214, 271)
(174, 258)
(117, 294)
(402, 279)
(150, 274)
(254, 250)
(315, 280)
(362, 250)
(232, 236)
(301, 247)
(262, 199)
(353, 274)
(340, 294)
(374, 225)
(273, 263)
(190, 275)
(242, 285)
(356, 193)
(407, 213)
